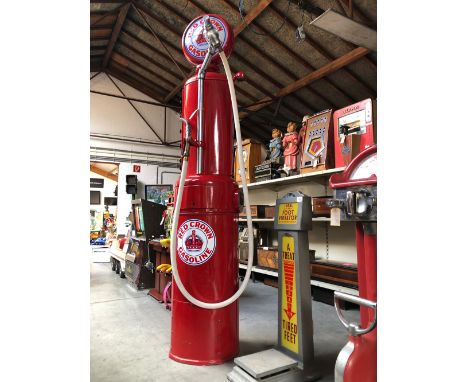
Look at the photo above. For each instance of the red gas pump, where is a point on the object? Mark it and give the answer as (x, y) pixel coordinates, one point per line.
(355, 194)
(205, 314)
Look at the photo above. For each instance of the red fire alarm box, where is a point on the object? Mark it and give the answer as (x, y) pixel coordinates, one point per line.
(136, 168)
(355, 129)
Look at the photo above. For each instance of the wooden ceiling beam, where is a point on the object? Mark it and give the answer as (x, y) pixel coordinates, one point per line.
(115, 33)
(140, 83)
(107, 18)
(239, 57)
(119, 55)
(143, 10)
(261, 53)
(252, 15)
(101, 27)
(141, 87)
(152, 48)
(255, 131)
(150, 60)
(362, 17)
(325, 70)
(317, 47)
(103, 173)
(100, 33)
(299, 58)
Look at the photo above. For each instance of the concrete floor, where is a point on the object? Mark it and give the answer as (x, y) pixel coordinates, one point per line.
(130, 333)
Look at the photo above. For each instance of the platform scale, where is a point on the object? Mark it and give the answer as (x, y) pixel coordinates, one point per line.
(292, 359)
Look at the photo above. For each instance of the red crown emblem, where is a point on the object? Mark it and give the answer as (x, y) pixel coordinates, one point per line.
(200, 39)
(193, 242)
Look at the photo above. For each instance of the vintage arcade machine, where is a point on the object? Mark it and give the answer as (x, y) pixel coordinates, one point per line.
(292, 360)
(355, 199)
(354, 130)
(204, 238)
(317, 151)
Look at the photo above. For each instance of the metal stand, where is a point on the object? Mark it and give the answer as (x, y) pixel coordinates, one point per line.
(292, 360)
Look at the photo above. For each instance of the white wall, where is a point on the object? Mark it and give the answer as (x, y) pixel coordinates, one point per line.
(116, 117)
(148, 175)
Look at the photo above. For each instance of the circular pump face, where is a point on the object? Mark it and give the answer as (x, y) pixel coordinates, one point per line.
(196, 47)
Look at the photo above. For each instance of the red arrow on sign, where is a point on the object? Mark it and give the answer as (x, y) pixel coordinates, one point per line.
(289, 313)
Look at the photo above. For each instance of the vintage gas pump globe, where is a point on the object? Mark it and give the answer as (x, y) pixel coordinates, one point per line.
(194, 44)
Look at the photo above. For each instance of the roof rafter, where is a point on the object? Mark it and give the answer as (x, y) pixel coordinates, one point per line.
(325, 70)
(103, 173)
(115, 33)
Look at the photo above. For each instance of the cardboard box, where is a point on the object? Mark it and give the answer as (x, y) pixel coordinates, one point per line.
(319, 206)
(267, 257)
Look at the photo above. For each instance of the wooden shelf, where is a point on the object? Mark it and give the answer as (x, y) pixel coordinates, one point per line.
(319, 219)
(294, 179)
(321, 284)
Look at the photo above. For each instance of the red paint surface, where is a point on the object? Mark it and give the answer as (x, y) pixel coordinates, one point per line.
(366, 140)
(201, 336)
(362, 363)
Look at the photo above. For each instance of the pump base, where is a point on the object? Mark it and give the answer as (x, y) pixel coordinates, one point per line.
(269, 366)
(199, 363)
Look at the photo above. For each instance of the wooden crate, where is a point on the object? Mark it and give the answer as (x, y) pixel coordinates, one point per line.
(319, 206)
(267, 257)
(252, 150)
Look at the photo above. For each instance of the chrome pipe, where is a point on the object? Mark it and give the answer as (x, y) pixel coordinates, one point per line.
(201, 78)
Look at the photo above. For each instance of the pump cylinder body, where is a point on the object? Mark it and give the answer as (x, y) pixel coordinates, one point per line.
(207, 232)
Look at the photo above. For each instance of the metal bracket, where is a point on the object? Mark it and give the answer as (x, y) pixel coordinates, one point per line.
(353, 328)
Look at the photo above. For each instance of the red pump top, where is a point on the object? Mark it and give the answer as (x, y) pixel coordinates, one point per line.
(194, 44)
(361, 171)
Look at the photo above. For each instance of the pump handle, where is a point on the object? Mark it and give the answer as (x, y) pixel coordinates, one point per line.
(353, 328)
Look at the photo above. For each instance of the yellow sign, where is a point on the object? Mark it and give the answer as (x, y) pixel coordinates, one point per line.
(289, 337)
(287, 213)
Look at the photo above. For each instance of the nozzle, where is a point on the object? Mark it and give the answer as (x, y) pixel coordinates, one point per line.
(211, 35)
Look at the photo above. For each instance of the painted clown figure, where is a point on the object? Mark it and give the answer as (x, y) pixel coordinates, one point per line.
(291, 148)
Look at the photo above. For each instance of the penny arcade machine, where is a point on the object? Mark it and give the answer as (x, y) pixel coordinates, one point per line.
(354, 130)
(355, 199)
(205, 313)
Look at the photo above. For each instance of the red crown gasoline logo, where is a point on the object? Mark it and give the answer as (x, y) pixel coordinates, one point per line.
(196, 242)
(200, 39)
(193, 242)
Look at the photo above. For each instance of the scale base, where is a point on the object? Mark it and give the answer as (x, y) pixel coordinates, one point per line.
(268, 366)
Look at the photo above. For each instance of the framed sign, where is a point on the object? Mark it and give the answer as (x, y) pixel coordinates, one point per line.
(158, 193)
(136, 168)
(96, 183)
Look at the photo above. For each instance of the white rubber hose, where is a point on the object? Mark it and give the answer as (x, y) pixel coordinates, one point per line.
(175, 221)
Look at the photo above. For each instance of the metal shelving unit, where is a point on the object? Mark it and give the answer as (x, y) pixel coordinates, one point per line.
(321, 284)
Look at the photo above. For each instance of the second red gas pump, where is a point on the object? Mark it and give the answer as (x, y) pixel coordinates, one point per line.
(355, 196)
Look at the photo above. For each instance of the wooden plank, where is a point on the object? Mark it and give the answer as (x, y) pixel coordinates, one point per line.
(120, 56)
(115, 33)
(114, 71)
(100, 33)
(103, 173)
(252, 15)
(100, 19)
(325, 70)
(156, 89)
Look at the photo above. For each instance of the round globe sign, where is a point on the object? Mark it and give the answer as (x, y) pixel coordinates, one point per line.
(196, 242)
(196, 47)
